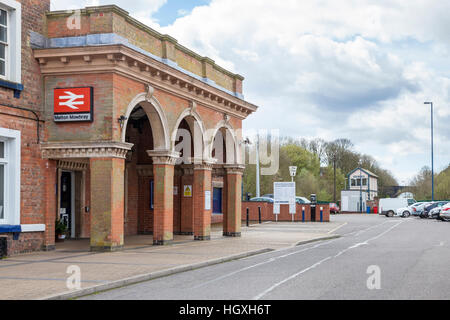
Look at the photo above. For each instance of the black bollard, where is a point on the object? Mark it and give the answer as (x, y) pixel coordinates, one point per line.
(248, 217)
(259, 214)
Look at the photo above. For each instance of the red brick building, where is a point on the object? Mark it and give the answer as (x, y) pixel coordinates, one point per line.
(113, 129)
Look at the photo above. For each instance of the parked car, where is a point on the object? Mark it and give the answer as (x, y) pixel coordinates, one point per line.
(433, 205)
(436, 213)
(262, 199)
(334, 208)
(406, 212)
(299, 200)
(417, 210)
(389, 207)
(445, 213)
(302, 200)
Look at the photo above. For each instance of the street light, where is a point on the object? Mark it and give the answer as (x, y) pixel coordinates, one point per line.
(432, 152)
(360, 188)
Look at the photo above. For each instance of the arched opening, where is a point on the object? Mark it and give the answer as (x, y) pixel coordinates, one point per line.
(224, 151)
(145, 128)
(188, 140)
(224, 148)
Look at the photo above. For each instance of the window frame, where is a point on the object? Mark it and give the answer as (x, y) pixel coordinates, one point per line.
(12, 165)
(6, 44)
(13, 52)
(4, 165)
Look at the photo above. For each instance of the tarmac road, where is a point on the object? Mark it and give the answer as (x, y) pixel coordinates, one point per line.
(411, 257)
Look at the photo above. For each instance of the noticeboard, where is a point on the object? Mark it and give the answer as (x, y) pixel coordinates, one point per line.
(284, 194)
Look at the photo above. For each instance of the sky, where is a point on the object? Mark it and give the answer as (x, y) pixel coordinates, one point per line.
(357, 69)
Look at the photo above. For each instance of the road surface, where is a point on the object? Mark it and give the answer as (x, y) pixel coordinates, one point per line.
(375, 258)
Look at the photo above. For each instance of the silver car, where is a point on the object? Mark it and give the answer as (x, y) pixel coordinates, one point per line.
(418, 210)
(445, 213)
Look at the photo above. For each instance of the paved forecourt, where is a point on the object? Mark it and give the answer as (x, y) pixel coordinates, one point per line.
(43, 275)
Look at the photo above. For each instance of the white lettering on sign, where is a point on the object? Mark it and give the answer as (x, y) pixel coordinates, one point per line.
(71, 100)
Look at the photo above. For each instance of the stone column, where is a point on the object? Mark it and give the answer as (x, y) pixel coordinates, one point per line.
(202, 200)
(232, 226)
(163, 170)
(107, 207)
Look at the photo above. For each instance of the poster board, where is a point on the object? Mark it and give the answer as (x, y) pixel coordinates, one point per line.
(284, 194)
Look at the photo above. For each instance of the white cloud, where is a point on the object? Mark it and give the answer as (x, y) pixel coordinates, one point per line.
(359, 69)
(142, 10)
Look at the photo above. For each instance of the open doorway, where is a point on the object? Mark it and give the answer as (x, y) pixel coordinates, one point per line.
(70, 202)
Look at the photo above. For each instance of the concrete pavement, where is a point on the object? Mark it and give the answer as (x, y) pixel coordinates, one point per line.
(44, 275)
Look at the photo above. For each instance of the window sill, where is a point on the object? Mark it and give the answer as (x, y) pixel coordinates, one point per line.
(22, 228)
(17, 87)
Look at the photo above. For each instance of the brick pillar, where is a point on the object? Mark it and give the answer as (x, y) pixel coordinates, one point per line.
(187, 202)
(51, 203)
(163, 171)
(202, 210)
(107, 207)
(232, 227)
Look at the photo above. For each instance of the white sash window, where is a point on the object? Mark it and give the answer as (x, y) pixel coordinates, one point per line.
(9, 177)
(10, 41)
(3, 42)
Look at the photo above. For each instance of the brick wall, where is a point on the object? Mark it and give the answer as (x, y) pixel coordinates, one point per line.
(267, 212)
(37, 202)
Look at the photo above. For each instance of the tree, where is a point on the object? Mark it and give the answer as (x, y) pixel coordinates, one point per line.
(442, 187)
(422, 184)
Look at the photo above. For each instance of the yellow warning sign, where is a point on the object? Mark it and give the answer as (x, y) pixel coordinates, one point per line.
(188, 191)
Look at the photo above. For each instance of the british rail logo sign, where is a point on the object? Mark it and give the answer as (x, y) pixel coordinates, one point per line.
(74, 105)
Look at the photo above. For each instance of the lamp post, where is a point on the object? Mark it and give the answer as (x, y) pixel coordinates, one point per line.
(360, 188)
(334, 167)
(258, 184)
(246, 143)
(432, 152)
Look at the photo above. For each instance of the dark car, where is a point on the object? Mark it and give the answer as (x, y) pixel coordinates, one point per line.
(334, 208)
(426, 211)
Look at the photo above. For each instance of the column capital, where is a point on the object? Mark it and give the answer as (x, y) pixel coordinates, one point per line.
(234, 168)
(203, 164)
(164, 156)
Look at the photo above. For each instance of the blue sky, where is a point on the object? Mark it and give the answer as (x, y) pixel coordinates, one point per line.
(174, 9)
(331, 69)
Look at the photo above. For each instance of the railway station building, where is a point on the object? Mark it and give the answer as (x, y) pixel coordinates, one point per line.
(112, 129)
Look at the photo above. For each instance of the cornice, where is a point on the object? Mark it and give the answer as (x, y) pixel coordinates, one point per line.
(77, 150)
(127, 62)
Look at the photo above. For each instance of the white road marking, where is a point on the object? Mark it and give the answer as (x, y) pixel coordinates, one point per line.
(279, 257)
(276, 285)
(338, 228)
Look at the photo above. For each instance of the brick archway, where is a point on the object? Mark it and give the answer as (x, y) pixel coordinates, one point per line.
(156, 116)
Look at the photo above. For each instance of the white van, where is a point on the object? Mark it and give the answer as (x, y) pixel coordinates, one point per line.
(388, 207)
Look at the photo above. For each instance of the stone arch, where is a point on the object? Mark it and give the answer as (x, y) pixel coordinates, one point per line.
(197, 129)
(231, 142)
(155, 115)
